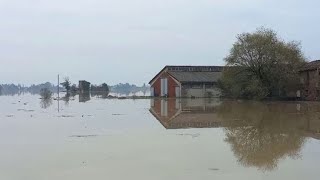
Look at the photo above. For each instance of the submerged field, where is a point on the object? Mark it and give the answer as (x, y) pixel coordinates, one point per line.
(92, 138)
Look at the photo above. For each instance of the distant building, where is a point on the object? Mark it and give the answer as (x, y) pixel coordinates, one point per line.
(187, 81)
(84, 86)
(310, 79)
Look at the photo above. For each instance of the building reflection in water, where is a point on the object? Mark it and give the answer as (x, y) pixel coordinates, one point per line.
(84, 96)
(260, 133)
(185, 113)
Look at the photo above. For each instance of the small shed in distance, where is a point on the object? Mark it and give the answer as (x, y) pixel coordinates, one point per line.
(84, 86)
(187, 81)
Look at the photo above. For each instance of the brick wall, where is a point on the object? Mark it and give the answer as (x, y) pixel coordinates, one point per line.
(171, 85)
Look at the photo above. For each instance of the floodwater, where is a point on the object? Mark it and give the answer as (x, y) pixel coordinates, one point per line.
(80, 138)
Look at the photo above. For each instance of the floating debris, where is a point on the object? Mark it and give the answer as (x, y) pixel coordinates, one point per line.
(214, 169)
(118, 114)
(87, 115)
(192, 135)
(66, 116)
(25, 110)
(10, 115)
(83, 136)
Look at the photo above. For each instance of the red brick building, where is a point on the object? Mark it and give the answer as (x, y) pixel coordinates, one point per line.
(310, 80)
(187, 81)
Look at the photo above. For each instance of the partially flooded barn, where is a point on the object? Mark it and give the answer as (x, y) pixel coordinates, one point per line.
(310, 79)
(187, 81)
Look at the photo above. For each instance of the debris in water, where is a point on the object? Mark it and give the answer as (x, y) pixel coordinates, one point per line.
(10, 115)
(214, 169)
(87, 115)
(192, 135)
(118, 114)
(66, 116)
(84, 136)
(25, 110)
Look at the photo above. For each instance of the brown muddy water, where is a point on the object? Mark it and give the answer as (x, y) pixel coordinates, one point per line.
(92, 138)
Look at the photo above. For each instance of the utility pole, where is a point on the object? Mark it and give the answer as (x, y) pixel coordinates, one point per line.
(58, 92)
(58, 85)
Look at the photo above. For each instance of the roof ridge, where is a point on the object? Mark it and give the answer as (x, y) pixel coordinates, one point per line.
(192, 66)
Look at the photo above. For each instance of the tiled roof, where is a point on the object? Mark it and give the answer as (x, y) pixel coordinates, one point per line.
(196, 76)
(193, 73)
(195, 68)
(313, 65)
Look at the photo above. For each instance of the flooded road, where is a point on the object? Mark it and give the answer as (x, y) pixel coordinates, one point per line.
(86, 137)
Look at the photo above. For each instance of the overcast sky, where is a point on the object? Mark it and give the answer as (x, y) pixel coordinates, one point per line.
(131, 40)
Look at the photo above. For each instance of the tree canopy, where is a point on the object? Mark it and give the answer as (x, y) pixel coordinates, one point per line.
(260, 64)
(66, 84)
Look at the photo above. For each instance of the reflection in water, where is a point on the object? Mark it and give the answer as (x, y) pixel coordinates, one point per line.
(263, 147)
(260, 134)
(100, 94)
(67, 98)
(45, 103)
(46, 96)
(84, 96)
(273, 131)
(185, 113)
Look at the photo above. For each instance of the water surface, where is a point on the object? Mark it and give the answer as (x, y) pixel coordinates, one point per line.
(92, 138)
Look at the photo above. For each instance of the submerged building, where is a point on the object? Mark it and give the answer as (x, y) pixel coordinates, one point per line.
(187, 81)
(310, 81)
(84, 86)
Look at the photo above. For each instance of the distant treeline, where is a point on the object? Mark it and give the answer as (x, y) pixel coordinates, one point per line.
(128, 88)
(12, 89)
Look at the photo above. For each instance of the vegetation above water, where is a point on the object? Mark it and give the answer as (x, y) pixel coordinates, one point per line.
(45, 93)
(261, 65)
(12, 89)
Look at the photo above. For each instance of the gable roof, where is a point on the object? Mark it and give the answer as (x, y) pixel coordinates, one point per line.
(313, 65)
(196, 76)
(193, 73)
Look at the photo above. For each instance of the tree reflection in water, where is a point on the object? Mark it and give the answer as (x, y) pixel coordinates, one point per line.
(67, 97)
(260, 133)
(46, 96)
(272, 131)
(45, 103)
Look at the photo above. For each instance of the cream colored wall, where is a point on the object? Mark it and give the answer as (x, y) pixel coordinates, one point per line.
(203, 92)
